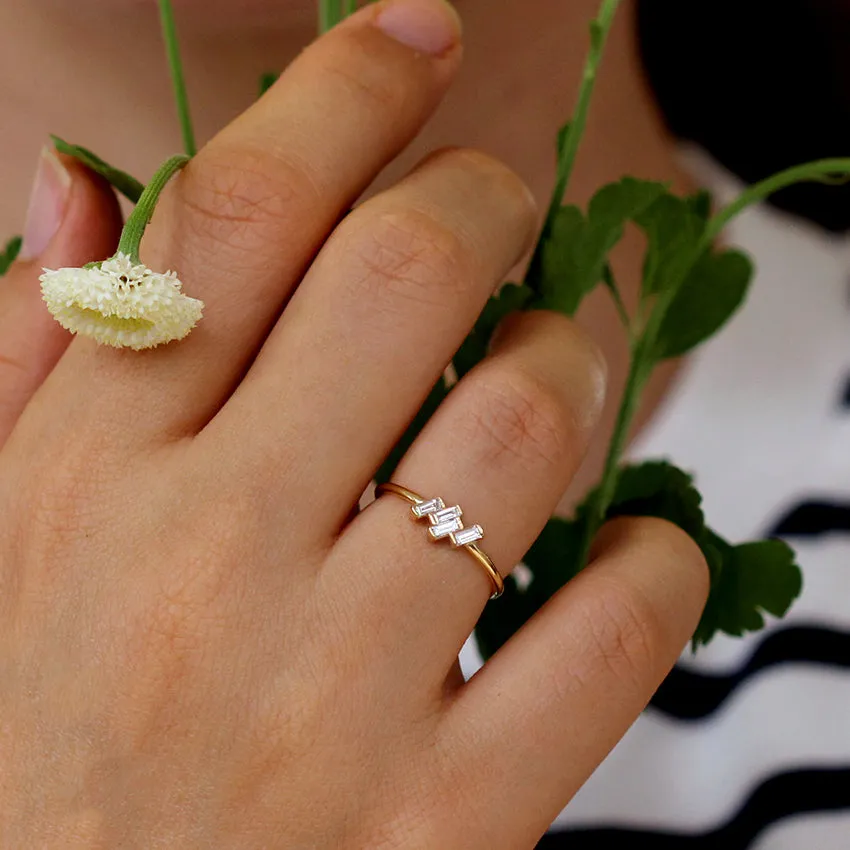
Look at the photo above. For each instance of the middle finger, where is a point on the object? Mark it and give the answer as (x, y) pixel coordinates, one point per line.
(384, 308)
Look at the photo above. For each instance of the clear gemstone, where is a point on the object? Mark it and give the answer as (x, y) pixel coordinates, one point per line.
(467, 535)
(429, 507)
(445, 515)
(444, 529)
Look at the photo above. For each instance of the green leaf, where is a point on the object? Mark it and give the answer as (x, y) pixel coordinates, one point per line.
(773, 563)
(701, 204)
(267, 80)
(123, 182)
(745, 580)
(750, 579)
(651, 489)
(564, 280)
(576, 251)
(553, 557)
(673, 231)
(439, 392)
(502, 618)
(9, 254)
(615, 204)
(509, 299)
(658, 489)
(711, 294)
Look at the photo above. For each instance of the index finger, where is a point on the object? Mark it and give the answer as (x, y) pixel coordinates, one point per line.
(244, 220)
(530, 727)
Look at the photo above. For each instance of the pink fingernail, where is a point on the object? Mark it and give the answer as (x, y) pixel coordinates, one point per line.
(48, 201)
(429, 26)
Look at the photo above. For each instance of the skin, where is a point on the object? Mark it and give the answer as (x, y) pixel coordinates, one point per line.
(544, 41)
(140, 531)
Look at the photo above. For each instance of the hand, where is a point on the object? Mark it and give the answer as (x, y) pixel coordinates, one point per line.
(201, 643)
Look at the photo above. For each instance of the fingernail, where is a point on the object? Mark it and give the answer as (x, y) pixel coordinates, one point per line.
(429, 26)
(47, 205)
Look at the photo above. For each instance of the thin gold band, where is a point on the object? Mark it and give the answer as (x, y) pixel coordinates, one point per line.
(437, 506)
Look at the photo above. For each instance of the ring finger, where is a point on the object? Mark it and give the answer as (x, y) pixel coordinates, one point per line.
(504, 446)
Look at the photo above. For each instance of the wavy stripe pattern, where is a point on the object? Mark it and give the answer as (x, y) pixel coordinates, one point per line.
(688, 695)
(778, 797)
(812, 518)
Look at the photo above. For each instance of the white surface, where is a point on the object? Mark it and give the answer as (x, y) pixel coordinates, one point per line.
(700, 773)
(827, 831)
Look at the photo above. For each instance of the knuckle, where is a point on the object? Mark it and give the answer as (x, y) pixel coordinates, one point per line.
(407, 256)
(626, 632)
(238, 197)
(516, 418)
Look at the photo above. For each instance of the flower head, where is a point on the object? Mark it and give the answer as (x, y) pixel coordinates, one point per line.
(120, 303)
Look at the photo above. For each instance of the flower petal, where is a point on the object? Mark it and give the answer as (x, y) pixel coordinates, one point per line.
(121, 304)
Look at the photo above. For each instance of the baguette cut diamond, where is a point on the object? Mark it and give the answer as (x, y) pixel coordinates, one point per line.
(445, 515)
(444, 529)
(467, 535)
(446, 522)
(429, 507)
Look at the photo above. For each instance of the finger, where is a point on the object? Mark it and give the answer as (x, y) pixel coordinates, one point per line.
(73, 218)
(529, 728)
(244, 220)
(384, 308)
(503, 446)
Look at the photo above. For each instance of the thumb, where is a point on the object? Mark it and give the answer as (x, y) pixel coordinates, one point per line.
(73, 218)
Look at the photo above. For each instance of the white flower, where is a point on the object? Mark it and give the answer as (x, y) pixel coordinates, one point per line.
(120, 304)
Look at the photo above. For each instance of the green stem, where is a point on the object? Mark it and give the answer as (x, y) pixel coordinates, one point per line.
(600, 28)
(172, 47)
(329, 15)
(642, 357)
(349, 7)
(134, 229)
(820, 171)
(640, 369)
(607, 486)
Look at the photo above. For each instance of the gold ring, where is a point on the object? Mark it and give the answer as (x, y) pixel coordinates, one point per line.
(446, 522)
